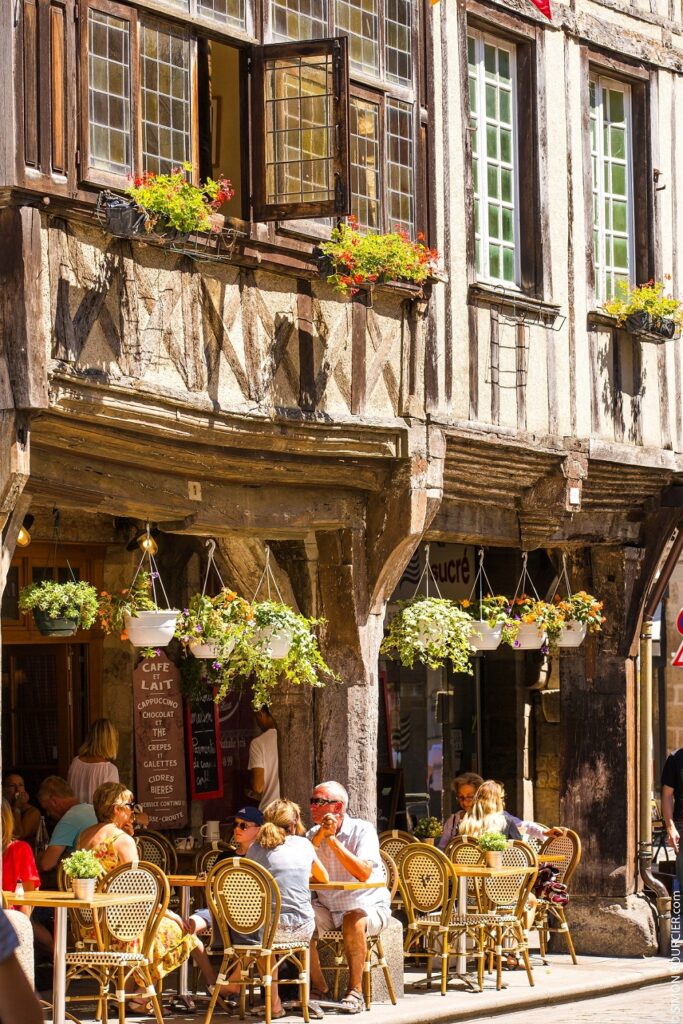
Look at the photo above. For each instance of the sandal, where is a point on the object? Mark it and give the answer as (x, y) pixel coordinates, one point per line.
(352, 1002)
(315, 1010)
(140, 1006)
(511, 962)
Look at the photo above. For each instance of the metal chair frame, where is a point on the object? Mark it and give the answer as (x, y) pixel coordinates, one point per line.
(550, 918)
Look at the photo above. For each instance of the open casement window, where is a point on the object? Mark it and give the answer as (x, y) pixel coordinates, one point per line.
(300, 119)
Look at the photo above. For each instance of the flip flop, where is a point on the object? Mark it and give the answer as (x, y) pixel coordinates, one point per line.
(352, 1002)
(315, 1010)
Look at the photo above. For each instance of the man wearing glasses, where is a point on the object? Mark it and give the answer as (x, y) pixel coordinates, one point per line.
(349, 849)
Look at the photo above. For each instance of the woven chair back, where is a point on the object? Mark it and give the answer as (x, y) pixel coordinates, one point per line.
(509, 893)
(519, 854)
(394, 840)
(569, 846)
(156, 849)
(81, 920)
(427, 881)
(243, 897)
(464, 850)
(206, 857)
(390, 872)
(135, 922)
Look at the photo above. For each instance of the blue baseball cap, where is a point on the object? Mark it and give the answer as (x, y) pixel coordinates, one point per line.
(250, 814)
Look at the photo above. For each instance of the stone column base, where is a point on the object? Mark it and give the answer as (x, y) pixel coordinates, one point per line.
(610, 926)
(392, 943)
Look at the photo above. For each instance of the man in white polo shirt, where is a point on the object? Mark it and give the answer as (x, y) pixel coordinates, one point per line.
(349, 849)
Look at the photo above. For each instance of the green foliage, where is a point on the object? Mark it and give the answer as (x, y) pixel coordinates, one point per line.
(61, 600)
(545, 614)
(430, 629)
(494, 611)
(171, 200)
(357, 259)
(645, 298)
(113, 607)
(492, 841)
(212, 619)
(304, 665)
(82, 864)
(582, 607)
(428, 828)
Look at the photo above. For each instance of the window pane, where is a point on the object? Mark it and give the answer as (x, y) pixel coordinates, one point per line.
(612, 189)
(298, 19)
(398, 58)
(299, 131)
(359, 20)
(165, 90)
(365, 189)
(400, 179)
(227, 12)
(109, 93)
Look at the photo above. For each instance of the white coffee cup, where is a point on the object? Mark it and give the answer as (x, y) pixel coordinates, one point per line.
(211, 831)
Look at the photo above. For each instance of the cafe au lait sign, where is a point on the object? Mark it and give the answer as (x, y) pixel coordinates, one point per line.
(159, 743)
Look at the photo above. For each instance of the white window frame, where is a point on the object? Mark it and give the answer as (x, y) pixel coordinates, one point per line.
(481, 195)
(601, 270)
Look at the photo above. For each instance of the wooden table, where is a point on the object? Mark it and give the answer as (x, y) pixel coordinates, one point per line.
(60, 902)
(345, 886)
(185, 883)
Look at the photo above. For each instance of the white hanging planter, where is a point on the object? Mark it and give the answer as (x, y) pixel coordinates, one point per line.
(573, 634)
(428, 632)
(210, 650)
(530, 637)
(484, 637)
(275, 640)
(151, 629)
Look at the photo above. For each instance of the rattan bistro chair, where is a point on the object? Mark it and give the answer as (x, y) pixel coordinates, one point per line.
(466, 850)
(390, 874)
(154, 848)
(503, 901)
(394, 840)
(244, 899)
(550, 917)
(132, 926)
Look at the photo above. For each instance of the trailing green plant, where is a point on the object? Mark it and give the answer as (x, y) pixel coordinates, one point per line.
(139, 597)
(645, 298)
(171, 200)
(494, 611)
(198, 675)
(355, 259)
(76, 600)
(431, 630)
(428, 828)
(582, 607)
(492, 841)
(250, 659)
(82, 864)
(213, 619)
(546, 615)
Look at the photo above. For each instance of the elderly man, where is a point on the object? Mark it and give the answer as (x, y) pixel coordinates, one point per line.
(349, 849)
(57, 799)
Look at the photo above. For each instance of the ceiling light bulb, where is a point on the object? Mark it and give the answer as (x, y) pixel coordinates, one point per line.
(148, 545)
(23, 537)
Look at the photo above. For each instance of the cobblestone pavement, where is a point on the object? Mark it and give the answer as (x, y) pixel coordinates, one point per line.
(657, 1004)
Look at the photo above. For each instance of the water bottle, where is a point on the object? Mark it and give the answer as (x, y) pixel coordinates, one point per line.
(42, 837)
(19, 888)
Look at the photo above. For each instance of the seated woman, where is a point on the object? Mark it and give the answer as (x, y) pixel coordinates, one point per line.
(26, 816)
(464, 786)
(18, 864)
(112, 844)
(488, 813)
(93, 766)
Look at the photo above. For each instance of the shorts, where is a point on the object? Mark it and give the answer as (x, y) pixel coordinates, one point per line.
(254, 939)
(300, 933)
(377, 918)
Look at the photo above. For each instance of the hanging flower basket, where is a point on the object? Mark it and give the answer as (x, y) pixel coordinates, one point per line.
(135, 613)
(211, 650)
(573, 634)
(530, 637)
(430, 630)
(582, 613)
(151, 628)
(210, 626)
(484, 637)
(54, 627)
(60, 609)
(275, 640)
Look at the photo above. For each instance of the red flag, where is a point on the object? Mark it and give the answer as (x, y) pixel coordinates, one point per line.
(544, 8)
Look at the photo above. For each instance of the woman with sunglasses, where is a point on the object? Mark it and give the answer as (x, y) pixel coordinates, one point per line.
(464, 786)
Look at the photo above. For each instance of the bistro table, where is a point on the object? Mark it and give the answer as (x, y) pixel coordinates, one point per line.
(185, 883)
(60, 902)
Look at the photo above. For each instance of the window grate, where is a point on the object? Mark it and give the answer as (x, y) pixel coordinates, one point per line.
(165, 92)
(298, 19)
(109, 101)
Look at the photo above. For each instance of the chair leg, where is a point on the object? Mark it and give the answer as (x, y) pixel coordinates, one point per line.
(268, 985)
(304, 982)
(481, 949)
(367, 966)
(152, 994)
(525, 953)
(385, 968)
(121, 995)
(564, 928)
(498, 954)
(444, 962)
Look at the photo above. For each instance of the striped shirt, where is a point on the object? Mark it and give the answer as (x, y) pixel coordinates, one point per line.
(360, 838)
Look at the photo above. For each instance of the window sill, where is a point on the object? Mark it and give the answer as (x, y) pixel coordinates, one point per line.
(515, 305)
(597, 318)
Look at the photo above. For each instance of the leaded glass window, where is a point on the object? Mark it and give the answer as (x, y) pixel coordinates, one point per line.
(400, 164)
(613, 235)
(359, 19)
(226, 12)
(491, 74)
(398, 47)
(165, 96)
(366, 204)
(109, 97)
(299, 19)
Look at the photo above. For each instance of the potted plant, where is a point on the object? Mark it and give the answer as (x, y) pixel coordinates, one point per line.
(491, 622)
(646, 308)
(428, 830)
(351, 259)
(135, 615)
(83, 868)
(121, 216)
(173, 205)
(431, 630)
(492, 844)
(538, 622)
(582, 613)
(59, 609)
(209, 626)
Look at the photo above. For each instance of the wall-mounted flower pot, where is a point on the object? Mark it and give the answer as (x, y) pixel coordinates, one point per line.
(275, 640)
(210, 650)
(530, 637)
(54, 627)
(573, 634)
(151, 629)
(644, 323)
(484, 637)
(121, 216)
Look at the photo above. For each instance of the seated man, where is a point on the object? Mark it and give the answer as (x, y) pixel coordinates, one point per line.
(349, 849)
(57, 799)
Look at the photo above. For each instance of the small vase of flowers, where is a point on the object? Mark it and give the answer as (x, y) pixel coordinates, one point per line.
(428, 830)
(492, 844)
(83, 868)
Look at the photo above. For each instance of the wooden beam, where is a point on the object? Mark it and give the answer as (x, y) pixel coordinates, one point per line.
(14, 460)
(462, 522)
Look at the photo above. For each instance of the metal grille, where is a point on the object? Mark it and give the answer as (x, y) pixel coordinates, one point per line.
(109, 92)
(398, 49)
(227, 12)
(366, 204)
(400, 162)
(298, 19)
(359, 19)
(166, 113)
(299, 130)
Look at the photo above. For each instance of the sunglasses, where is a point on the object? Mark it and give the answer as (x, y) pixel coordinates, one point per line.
(245, 824)
(131, 805)
(318, 801)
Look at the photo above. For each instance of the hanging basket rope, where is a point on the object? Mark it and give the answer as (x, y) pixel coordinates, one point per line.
(211, 564)
(269, 578)
(562, 575)
(524, 575)
(426, 574)
(153, 572)
(480, 578)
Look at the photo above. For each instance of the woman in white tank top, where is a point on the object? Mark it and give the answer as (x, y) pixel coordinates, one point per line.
(93, 766)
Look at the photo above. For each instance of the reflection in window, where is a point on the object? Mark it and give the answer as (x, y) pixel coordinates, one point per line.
(365, 163)
(227, 12)
(398, 55)
(165, 88)
(299, 136)
(359, 20)
(299, 19)
(109, 92)
(400, 179)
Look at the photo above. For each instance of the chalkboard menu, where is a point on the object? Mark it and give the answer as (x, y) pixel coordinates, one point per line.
(159, 746)
(204, 760)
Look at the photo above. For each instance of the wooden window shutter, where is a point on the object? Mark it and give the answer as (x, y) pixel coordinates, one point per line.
(300, 130)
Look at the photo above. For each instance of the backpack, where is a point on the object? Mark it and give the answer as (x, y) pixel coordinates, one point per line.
(546, 886)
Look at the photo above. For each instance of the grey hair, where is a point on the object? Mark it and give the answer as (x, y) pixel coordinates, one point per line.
(336, 790)
(466, 779)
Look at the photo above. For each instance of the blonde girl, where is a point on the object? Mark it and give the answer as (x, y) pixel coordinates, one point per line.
(92, 766)
(488, 813)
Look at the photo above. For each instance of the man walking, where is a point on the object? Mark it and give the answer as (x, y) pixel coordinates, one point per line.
(349, 849)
